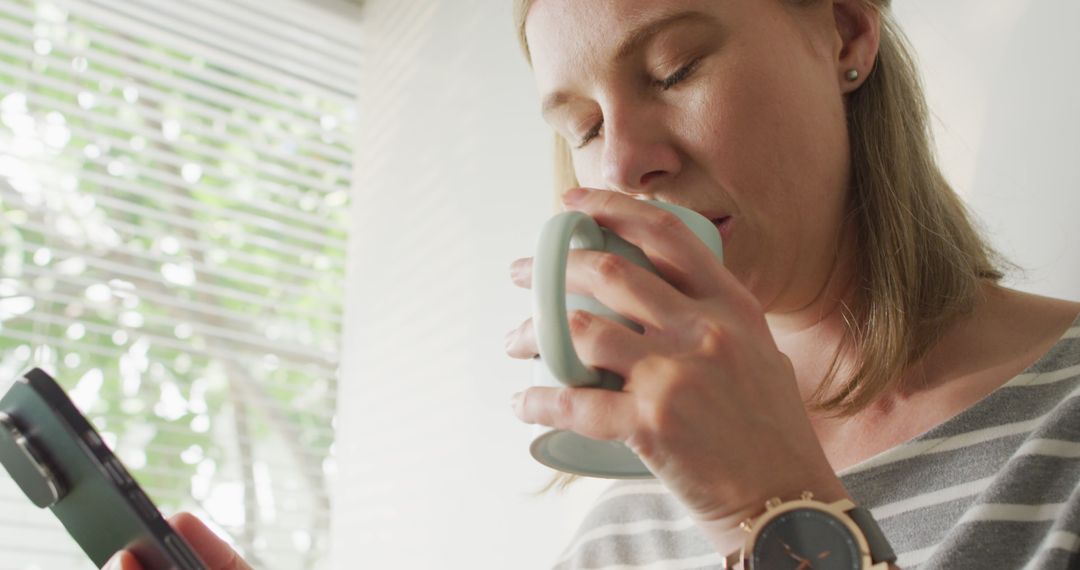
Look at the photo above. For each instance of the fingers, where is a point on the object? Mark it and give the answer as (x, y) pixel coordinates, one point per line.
(599, 414)
(599, 342)
(521, 342)
(681, 258)
(626, 288)
(215, 552)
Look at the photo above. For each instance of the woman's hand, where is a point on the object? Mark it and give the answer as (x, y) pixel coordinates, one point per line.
(214, 552)
(710, 404)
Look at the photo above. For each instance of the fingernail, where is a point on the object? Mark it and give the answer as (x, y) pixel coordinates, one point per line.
(113, 563)
(510, 338)
(515, 403)
(517, 268)
(573, 195)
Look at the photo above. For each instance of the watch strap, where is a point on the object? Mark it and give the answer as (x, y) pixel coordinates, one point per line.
(880, 549)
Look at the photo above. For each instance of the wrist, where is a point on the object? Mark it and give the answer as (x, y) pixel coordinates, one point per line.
(795, 529)
(728, 533)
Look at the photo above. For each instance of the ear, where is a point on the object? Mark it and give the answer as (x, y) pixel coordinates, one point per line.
(858, 29)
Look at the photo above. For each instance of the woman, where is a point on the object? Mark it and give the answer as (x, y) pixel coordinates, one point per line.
(858, 309)
(855, 345)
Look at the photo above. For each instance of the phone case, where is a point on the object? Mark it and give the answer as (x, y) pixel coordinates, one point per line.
(60, 462)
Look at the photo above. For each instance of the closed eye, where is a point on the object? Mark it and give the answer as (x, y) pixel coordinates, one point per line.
(592, 134)
(664, 84)
(679, 75)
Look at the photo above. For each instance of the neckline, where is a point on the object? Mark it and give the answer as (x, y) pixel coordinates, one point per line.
(1073, 331)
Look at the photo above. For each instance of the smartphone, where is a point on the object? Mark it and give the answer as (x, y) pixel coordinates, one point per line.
(60, 461)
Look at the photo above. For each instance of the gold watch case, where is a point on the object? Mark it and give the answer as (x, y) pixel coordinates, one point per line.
(774, 507)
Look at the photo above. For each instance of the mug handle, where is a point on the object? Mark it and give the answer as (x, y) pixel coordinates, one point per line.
(549, 295)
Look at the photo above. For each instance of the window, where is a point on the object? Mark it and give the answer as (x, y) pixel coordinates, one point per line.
(174, 183)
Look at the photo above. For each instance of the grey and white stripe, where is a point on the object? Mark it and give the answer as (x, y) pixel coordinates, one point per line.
(997, 486)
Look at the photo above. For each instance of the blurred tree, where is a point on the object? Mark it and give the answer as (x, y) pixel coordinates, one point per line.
(172, 236)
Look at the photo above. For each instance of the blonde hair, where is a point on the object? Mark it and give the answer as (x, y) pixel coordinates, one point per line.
(919, 258)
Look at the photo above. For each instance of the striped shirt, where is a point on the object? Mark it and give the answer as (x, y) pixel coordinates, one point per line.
(996, 486)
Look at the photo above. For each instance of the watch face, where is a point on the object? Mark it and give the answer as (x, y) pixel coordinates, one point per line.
(805, 539)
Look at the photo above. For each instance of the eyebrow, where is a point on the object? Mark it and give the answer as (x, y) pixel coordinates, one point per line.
(631, 44)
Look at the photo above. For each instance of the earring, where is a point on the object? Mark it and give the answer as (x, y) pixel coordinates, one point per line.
(853, 75)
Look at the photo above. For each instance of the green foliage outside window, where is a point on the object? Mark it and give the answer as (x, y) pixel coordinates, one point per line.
(172, 238)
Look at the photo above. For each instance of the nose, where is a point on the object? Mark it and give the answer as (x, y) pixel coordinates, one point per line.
(638, 153)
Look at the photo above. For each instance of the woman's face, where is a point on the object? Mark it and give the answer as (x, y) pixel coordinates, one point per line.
(728, 107)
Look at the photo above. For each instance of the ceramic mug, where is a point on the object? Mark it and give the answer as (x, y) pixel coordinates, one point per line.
(558, 364)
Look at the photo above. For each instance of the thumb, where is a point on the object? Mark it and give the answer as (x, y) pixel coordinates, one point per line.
(214, 552)
(122, 560)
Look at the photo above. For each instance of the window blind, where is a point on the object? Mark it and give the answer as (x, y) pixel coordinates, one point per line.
(174, 186)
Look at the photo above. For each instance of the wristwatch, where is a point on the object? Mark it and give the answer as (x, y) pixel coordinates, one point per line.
(806, 534)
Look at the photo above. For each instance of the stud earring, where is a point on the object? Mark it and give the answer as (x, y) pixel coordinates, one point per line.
(853, 75)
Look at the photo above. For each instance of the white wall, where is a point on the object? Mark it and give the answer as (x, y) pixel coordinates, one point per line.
(453, 181)
(1003, 79)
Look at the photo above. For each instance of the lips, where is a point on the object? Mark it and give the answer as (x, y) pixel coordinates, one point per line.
(723, 224)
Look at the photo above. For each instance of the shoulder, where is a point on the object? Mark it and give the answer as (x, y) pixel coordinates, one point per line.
(1010, 331)
(1052, 327)
(1036, 313)
(1054, 311)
